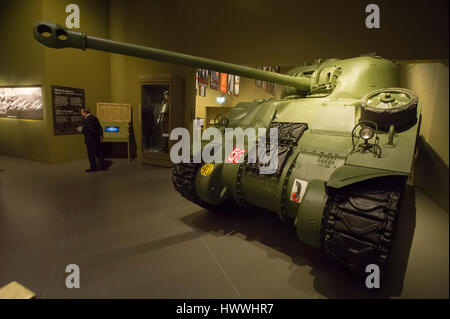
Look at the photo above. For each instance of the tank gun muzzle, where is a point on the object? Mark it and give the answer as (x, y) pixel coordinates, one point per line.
(55, 36)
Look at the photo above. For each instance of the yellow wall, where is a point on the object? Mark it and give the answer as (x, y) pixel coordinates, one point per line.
(87, 70)
(22, 62)
(270, 32)
(130, 25)
(430, 82)
(248, 91)
(26, 62)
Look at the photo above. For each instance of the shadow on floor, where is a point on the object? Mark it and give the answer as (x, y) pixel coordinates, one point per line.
(431, 173)
(331, 279)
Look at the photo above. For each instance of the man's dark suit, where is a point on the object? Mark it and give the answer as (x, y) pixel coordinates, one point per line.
(92, 131)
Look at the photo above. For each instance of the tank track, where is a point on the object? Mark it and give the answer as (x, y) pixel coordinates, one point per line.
(183, 179)
(359, 222)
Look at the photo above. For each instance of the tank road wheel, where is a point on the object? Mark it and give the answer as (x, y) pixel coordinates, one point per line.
(390, 106)
(359, 222)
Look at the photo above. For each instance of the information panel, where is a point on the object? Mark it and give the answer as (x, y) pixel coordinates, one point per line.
(67, 103)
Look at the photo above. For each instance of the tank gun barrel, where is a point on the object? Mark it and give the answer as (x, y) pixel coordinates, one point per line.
(55, 36)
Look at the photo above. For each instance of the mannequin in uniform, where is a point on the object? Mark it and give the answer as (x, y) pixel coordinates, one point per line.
(163, 121)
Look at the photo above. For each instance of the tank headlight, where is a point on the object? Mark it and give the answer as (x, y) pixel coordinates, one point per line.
(366, 133)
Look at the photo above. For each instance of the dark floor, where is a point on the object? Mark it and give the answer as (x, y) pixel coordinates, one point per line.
(133, 236)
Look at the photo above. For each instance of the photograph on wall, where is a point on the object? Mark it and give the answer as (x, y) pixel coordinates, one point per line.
(67, 103)
(237, 80)
(273, 86)
(267, 86)
(202, 90)
(223, 82)
(196, 82)
(214, 80)
(200, 76)
(258, 83)
(230, 86)
(203, 76)
(270, 85)
(21, 103)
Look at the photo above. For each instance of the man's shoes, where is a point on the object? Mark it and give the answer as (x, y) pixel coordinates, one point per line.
(91, 170)
(105, 164)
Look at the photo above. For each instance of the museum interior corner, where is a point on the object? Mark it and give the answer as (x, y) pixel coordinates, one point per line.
(229, 150)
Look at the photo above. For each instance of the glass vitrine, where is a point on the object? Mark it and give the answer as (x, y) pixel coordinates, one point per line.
(162, 98)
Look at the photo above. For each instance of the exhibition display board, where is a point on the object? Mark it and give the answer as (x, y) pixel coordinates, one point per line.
(115, 119)
(67, 103)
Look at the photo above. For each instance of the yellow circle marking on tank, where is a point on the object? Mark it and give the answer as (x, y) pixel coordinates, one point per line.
(206, 169)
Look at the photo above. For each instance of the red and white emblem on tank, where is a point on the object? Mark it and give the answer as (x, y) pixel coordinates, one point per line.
(298, 190)
(235, 155)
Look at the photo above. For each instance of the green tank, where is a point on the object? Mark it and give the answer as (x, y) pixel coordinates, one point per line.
(346, 143)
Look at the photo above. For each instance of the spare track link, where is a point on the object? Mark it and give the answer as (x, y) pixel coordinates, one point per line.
(183, 179)
(359, 222)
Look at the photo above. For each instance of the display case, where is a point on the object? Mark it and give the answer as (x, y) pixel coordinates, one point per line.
(162, 110)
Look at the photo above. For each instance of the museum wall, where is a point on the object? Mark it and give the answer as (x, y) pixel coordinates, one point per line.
(125, 87)
(430, 80)
(129, 24)
(267, 32)
(23, 63)
(30, 63)
(87, 70)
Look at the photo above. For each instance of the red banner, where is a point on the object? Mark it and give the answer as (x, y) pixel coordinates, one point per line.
(223, 82)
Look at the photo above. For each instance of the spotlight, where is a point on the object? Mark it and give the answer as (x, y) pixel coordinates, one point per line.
(220, 99)
(366, 133)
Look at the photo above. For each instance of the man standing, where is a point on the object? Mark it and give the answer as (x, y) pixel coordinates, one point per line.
(93, 135)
